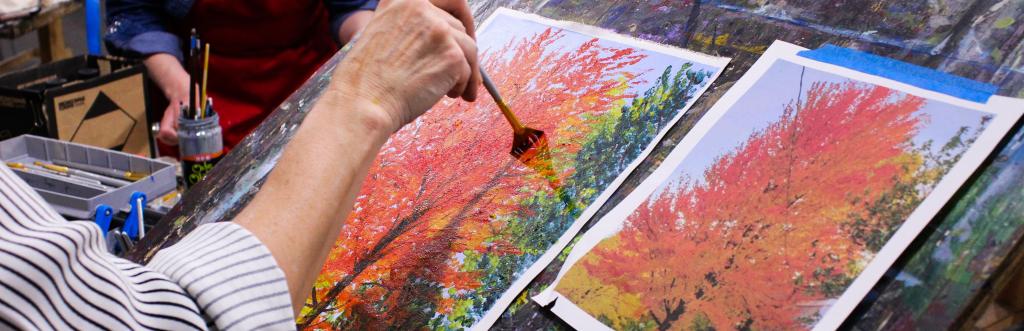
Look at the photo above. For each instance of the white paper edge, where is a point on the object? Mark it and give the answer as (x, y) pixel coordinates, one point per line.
(581, 320)
(524, 279)
(1006, 111)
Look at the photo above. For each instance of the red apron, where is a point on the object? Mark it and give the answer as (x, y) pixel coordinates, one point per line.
(261, 51)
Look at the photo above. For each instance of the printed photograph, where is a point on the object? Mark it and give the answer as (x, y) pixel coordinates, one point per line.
(778, 208)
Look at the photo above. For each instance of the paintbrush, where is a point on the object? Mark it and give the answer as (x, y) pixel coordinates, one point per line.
(526, 141)
(64, 177)
(114, 173)
(191, 64)
(84, 174)
(206, 72)
(530, 146)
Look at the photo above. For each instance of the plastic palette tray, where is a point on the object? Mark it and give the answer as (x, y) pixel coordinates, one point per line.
(77, 201)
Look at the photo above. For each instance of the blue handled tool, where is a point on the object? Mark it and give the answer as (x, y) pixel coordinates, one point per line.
(134, 226)
(93, 35)
(103, 216)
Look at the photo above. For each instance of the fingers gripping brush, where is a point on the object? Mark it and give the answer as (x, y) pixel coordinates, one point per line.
(526, 141)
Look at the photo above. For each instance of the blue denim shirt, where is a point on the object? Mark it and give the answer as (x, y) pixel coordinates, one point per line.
(140, 27)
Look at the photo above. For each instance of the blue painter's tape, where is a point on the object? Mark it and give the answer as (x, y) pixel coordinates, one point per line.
(929, 79)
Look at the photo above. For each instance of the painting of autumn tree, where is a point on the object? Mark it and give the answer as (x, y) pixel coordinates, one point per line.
(763, 230)
(447, 219)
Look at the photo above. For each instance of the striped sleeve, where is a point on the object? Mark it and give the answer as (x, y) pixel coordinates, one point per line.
(56, 274)
(232, 277)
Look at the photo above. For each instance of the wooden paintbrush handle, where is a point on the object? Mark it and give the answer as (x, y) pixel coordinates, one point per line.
(517, 127)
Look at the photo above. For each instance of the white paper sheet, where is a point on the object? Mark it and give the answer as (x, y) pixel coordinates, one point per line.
(1004, 111)
(683, 56)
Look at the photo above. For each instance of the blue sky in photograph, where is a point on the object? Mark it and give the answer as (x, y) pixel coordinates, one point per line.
(766, 100)
(504, 28)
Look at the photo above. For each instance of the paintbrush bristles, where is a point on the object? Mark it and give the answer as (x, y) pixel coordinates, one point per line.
(526, 141)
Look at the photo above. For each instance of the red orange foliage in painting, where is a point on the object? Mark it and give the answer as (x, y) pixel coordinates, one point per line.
(761, 239)
(442, 184)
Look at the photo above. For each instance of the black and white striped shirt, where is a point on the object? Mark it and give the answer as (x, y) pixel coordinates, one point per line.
(56, 274)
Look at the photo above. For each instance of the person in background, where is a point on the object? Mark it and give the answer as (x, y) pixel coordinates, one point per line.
(261, 51)
(255, 272)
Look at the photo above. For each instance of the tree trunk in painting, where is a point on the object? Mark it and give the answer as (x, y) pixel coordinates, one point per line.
(441, 243)
(464, 184)
(774, 226)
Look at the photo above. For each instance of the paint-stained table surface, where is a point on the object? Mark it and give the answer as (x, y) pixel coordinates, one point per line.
(936, 284)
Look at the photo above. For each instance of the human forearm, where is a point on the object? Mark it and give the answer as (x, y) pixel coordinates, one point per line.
(413, 53)
(168, 74)
(141, 28)
(300, 210)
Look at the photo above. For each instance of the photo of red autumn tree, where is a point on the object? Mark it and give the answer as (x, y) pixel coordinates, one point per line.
(777, 226)
(446, 217)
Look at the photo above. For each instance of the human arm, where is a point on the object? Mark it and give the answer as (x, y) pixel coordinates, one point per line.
(57, 275)
(240, 275)
(412, 53)
(173, 81)
(138, 28)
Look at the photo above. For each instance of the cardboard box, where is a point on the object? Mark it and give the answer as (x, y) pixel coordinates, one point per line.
(97, 101)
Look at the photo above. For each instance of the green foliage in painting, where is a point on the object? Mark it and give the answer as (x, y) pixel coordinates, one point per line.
(973, 234)
(618, 136)
(447, 220)
(778, 225)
